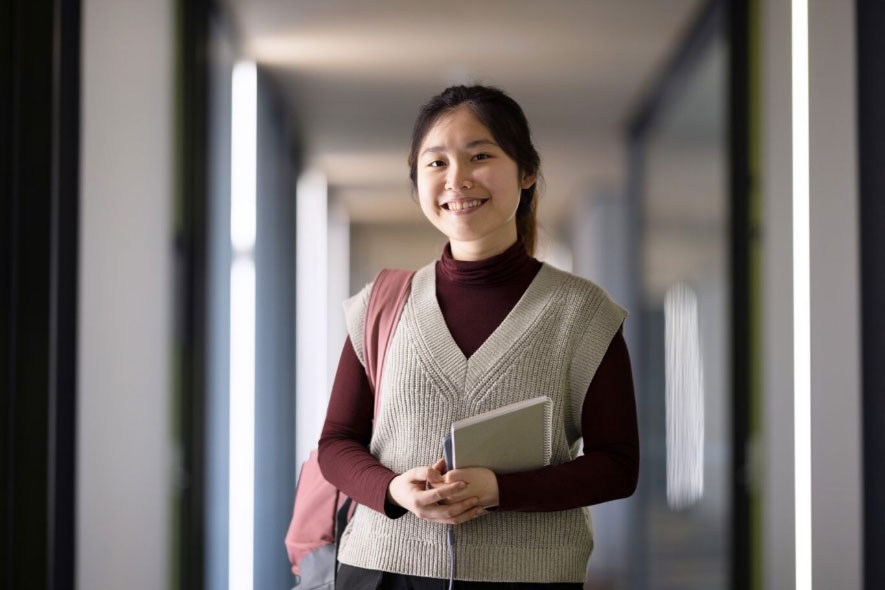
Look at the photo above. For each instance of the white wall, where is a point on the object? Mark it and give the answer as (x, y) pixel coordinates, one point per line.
(125, 299)
(338, 287)
(374, 246)
(778, 547)
(835, 300)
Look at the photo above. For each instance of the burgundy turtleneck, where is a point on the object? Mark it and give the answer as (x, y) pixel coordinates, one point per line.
(475, 296)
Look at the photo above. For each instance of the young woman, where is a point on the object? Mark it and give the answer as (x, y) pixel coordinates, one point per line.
(484, 326)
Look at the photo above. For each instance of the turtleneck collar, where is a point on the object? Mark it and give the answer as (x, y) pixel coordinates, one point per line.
(490, 271)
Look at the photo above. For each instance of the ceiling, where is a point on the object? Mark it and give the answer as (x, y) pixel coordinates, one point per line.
(356, 73)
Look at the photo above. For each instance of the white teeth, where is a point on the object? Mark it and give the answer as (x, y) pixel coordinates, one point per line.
(465, 205)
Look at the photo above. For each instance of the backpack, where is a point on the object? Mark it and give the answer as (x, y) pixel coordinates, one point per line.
(321, 510)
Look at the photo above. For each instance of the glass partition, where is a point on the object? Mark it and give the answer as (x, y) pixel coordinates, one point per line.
(681, 175)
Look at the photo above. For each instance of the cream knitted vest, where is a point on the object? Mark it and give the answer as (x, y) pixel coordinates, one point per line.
(550, 343)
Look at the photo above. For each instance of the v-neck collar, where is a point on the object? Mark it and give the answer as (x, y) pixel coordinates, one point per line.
(461, 372)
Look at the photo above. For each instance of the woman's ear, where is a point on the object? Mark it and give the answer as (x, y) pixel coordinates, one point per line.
(529, 179)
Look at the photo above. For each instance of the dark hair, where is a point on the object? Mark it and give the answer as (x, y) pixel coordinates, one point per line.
(510, 129)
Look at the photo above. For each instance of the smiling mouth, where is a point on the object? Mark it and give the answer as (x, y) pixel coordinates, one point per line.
(464, 205)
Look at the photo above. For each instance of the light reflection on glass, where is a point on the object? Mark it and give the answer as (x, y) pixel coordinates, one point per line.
(684, 398)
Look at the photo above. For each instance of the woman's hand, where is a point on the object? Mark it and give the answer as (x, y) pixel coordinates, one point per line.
(478, 482)
(423, 492)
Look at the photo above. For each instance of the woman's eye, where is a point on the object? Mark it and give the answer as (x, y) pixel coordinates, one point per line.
(436, 164)
(482, 156)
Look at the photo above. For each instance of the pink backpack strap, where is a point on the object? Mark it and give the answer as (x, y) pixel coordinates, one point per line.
(386, 301)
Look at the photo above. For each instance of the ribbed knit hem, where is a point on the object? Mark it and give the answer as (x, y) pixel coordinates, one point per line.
(475, 563)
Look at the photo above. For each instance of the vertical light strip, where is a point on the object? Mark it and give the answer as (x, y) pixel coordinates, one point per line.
(243, 157)
(241, 484)
(242, 421)
(801, 294)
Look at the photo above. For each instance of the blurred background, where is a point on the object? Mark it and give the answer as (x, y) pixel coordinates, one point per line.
(195, 187)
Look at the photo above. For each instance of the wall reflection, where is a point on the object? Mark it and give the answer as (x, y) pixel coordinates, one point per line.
(685, 235)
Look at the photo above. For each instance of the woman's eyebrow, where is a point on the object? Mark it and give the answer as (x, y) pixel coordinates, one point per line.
(468, 145)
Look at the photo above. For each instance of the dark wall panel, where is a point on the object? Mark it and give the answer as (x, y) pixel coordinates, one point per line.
(871, 135)
(39, 133)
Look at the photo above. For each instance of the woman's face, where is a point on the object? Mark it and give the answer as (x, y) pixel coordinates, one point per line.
(468, 186)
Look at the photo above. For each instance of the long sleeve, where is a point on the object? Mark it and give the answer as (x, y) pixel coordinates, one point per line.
(343, 452)
(609, 467)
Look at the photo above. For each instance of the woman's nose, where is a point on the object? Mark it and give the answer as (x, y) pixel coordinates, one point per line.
(458, 178)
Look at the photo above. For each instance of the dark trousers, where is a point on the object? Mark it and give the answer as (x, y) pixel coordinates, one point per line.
(356, 578)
